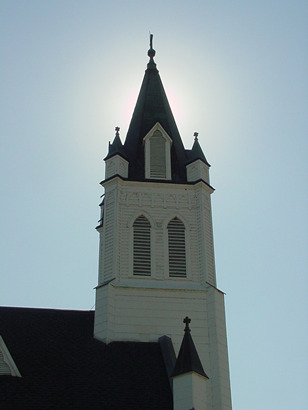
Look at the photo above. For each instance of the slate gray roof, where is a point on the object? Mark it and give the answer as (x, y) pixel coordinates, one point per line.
(64, 367)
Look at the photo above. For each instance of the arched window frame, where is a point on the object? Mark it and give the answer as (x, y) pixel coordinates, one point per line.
(147, 152)
(131, 246)
(187, 245)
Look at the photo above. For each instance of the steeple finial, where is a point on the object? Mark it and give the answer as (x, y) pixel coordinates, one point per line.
(151, 53)
(117, 129)
(196, 135)
(187, 320)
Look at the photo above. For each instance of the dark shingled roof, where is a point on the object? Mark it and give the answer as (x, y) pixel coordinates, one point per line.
(64, 367)
(152, 106)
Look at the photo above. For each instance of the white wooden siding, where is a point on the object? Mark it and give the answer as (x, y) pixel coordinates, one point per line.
(161, 204)
(198, 170)
(144, 308)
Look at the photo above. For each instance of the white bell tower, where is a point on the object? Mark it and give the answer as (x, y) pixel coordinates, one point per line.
(156, 262)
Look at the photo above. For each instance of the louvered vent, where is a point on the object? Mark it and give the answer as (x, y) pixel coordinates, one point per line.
(157, 156)
(176, 245)
(142, 246)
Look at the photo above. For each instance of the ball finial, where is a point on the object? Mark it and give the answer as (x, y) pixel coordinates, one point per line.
(151, 52)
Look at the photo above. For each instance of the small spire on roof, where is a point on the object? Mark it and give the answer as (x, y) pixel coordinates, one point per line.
(196, 151)
(116, 147)
(188, 359)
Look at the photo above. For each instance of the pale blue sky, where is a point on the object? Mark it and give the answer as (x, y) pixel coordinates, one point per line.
(236, 72)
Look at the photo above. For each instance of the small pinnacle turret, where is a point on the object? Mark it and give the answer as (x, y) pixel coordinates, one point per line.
(196, 151)
(188, 359)
(116, 147)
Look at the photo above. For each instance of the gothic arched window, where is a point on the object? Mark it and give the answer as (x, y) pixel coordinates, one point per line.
(176, 248)
(142, 246)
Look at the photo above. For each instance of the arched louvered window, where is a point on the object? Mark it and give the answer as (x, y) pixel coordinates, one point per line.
(157, 156)
(176, 248)
(142, 246)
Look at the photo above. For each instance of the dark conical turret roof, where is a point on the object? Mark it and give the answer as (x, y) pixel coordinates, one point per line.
(116, 147)
(188, 359)
(196, 152)
(152, 106)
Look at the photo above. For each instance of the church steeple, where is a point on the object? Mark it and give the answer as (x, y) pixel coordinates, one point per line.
(152, 107)
(156, 258)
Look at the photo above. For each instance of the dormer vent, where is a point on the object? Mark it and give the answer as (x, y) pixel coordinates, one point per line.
(157, 156)
(157, 146)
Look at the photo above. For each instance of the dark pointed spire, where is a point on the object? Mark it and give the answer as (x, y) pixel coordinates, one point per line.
(152, 106)
(188, 359)
(116, 147)
(196, 151)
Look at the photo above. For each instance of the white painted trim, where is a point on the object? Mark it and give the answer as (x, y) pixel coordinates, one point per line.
(139, 213)
(175, 214)
(8, 359)
(157, 127)
(116, 165)
(151, 283)
(149, 184)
